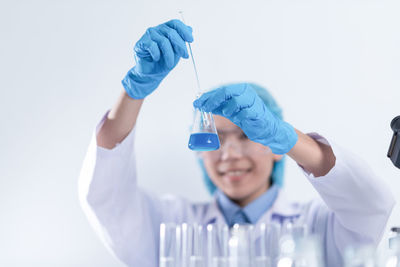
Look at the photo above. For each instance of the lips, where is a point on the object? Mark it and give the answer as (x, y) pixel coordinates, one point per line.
(235, 174)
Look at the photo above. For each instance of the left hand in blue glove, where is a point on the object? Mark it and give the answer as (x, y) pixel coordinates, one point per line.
(241, 104)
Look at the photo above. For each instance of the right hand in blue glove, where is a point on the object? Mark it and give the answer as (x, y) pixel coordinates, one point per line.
(241, 104)
(156, 54)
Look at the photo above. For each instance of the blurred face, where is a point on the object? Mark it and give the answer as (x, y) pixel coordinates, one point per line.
(240, 168)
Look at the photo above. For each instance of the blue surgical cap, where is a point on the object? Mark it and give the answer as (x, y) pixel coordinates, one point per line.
(278, 169)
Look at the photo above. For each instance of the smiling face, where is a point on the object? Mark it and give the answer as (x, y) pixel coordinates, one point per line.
(241, 168)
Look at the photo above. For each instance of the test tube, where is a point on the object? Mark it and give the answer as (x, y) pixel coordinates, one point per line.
(196, 246)
(273, 239)
(308, 252)
(261, 257)
(241, 246)
(217, 245)
(360, 256)
(299, 231)
(169, 245)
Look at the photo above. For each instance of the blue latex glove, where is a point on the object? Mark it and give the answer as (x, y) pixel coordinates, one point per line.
(241, 104)
(156, 54)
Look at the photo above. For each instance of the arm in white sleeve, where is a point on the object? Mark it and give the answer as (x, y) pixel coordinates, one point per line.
(126, 218)
(358, 204)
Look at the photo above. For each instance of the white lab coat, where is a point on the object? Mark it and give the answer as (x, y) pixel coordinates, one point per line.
(355, 208)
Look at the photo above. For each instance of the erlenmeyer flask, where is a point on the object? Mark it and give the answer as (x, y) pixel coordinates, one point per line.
(204, 135)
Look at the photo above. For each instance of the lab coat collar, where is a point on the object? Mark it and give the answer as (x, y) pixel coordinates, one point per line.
(282, 207)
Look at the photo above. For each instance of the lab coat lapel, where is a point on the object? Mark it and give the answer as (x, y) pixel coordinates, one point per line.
(281, 208)
(213, 214)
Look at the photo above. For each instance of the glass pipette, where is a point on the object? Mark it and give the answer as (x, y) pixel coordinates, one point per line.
(199, 92)
(194, 64)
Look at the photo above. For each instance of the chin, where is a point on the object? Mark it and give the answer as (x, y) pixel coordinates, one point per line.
(237, 194)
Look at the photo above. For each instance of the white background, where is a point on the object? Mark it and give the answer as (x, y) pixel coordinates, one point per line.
(333, 66)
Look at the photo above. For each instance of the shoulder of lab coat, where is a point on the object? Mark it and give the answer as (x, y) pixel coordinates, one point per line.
(356, 204)
(361, 201)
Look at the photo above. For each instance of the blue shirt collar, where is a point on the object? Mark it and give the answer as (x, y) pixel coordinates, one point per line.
(254, 210)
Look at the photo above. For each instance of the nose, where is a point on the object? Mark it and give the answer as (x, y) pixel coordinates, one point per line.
(231, 150)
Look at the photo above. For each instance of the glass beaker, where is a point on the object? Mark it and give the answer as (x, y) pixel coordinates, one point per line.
(204, 135)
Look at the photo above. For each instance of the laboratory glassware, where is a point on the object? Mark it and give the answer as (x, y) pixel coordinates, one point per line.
(361, 256)
(308, 252)
(394, 239)
(241, 245)
(170, 240)
(217, 245)
(204, 135)
(195, 245)
(261, 248)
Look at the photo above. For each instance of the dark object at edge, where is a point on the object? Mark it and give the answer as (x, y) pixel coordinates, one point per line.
(394, 149)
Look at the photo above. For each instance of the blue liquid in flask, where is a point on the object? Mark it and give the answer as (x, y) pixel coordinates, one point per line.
(203, 141)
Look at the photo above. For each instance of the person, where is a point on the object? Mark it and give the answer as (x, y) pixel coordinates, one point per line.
(245, 175)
